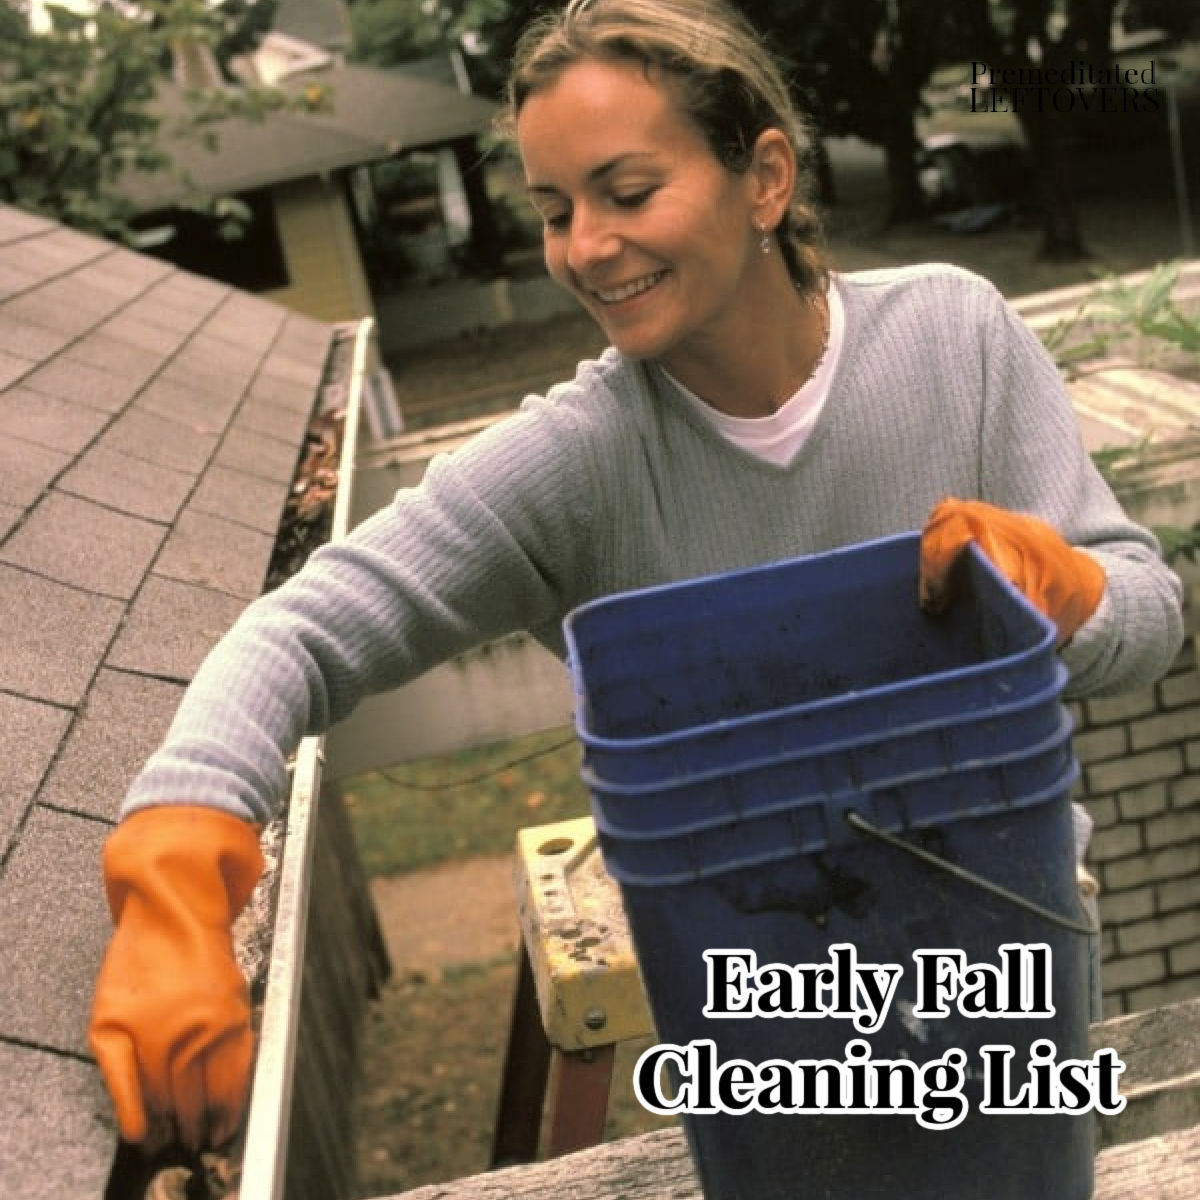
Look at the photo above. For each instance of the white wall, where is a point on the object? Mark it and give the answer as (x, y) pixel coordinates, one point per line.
(501, 690)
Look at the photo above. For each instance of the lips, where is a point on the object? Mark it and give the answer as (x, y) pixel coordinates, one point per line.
(627, 291)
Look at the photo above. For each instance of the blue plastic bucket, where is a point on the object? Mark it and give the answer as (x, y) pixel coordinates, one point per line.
(1035, 729)
(727, 724)
(774, 660)
(795, 910)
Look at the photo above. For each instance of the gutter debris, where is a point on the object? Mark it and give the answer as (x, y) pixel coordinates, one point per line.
(307, 520)
(306, 524)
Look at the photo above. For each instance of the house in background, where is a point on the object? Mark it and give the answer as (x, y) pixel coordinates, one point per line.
(305, 176)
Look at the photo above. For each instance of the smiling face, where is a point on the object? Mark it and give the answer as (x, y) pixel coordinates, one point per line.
(641, 222)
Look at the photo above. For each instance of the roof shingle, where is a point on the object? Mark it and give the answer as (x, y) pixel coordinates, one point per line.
(150, 423)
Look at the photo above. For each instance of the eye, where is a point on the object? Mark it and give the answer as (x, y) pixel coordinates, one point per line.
(633, 199)
(552, 215)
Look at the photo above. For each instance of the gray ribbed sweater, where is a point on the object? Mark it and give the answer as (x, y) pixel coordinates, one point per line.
(612, 481)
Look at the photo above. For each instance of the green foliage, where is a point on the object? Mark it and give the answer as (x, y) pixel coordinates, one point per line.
(1176, 543)
(387, 32)
(390, 32)
(1179, 543)
(1119, 311)
(78, 113)
(1115, 312)
(1067, 353)
(1147, 309)
(244, 23)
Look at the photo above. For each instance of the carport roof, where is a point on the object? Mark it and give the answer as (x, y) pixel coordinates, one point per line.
(374, 115)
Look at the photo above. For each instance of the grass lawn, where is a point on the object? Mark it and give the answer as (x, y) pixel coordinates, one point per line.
(464, 804)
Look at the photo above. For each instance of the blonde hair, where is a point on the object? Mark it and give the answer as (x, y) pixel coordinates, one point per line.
(725, 77)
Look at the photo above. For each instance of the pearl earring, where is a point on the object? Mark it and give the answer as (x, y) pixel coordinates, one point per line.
(765, 241)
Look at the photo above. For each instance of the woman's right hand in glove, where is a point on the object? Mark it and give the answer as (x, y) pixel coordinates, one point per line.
(170, 1021)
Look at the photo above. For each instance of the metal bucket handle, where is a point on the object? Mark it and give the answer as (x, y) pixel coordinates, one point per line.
(863, 826)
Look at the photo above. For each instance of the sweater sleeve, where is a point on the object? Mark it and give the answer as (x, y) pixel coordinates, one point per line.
(1034, 460)
(490, 542)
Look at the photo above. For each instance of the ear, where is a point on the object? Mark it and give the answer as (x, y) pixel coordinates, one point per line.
(772, 177)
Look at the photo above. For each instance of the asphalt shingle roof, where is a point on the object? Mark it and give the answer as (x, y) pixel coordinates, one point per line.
(150, 423)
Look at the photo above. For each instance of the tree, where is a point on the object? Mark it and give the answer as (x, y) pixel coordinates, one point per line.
(78, 109)
(390, 32)
(857, 66)
(868, 62)
(1177, 18)
(860, 68)
(1028, 34)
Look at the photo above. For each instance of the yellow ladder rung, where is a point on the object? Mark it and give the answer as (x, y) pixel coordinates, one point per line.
(576, 935)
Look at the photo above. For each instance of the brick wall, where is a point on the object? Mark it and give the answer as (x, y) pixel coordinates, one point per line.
(1140, 755)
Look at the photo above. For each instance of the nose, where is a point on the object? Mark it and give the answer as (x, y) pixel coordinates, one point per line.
(591, 239)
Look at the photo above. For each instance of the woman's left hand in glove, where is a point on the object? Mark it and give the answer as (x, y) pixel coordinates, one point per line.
(1060, 580)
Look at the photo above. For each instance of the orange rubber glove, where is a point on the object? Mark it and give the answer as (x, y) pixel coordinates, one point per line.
(1064, 583)
(171, 1016)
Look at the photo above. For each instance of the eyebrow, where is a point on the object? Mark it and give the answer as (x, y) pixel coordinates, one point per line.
(594, 175)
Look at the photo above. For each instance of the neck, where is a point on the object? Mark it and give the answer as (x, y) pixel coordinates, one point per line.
(762, 363)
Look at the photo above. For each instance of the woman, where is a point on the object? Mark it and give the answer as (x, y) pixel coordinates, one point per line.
(753, 406)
